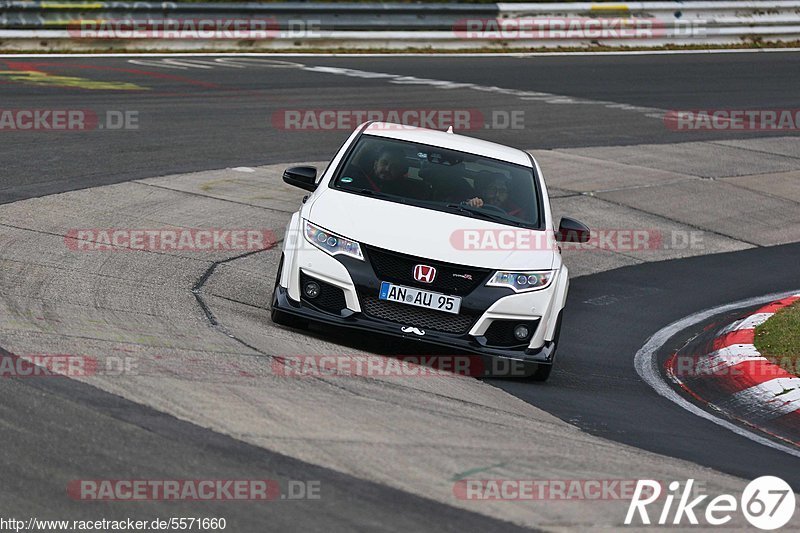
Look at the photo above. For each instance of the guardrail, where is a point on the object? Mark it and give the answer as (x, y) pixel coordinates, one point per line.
(169, 25)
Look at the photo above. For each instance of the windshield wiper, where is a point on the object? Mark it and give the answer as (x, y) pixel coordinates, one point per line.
(378, 194)
(495, 217)
(369, 192)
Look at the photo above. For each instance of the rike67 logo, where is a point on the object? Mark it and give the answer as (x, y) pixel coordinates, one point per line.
(767, 503)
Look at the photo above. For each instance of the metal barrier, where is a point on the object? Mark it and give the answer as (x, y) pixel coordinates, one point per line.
(190, 26)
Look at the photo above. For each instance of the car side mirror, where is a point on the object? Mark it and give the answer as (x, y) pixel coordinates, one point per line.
(571, 230)
(303, 177)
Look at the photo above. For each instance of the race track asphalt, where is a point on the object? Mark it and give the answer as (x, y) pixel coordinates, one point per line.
(196, 117)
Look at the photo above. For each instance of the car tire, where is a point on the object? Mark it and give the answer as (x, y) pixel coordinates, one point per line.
(279, 317)
(542, 372)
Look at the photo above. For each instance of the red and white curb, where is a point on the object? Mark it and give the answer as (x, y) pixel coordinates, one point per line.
(650, 369)
(729, 375)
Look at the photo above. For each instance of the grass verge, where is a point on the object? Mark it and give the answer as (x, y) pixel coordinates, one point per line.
(778, 339)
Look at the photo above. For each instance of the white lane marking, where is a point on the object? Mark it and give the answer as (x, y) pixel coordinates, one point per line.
(646, 364)
(185, 63)
(242, 62)
(729, 356)
(243, 169)
(768, 400)
(748, 322)
(548, 98)
(432, 54)
(780, 386)
(258, 62)
(210, 64)
(157, 63)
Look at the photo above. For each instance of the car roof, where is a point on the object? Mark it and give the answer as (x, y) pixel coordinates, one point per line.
(452, 141)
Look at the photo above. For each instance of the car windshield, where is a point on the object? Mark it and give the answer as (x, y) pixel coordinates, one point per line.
(441, 179)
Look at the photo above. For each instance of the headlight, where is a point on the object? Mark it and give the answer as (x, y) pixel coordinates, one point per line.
(332, 243)
(522, 281)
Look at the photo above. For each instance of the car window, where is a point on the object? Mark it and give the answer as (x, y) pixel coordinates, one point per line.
(438, 178)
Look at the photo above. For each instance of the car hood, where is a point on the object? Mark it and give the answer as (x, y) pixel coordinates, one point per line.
(431, 234)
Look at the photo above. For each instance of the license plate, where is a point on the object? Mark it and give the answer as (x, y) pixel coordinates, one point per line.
(420, 298)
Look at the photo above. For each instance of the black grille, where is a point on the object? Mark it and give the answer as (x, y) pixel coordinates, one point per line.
(330, 299)
(408, 315)
(399, 268)
(501, 332)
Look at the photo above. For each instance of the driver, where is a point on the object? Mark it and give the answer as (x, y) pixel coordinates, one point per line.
(495, 191)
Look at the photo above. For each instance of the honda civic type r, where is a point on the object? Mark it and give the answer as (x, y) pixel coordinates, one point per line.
(432, 236)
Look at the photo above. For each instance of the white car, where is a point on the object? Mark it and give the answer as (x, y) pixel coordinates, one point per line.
(432, 236)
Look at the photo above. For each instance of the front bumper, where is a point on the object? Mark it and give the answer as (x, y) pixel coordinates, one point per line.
(466, 343)
(359, 283)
